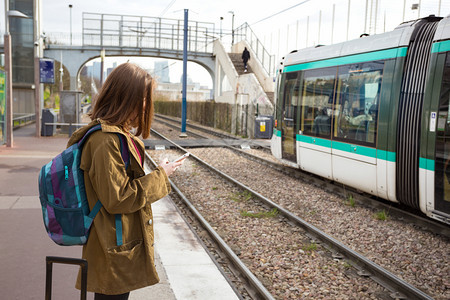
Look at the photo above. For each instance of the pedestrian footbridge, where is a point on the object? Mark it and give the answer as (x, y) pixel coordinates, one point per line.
(118, 35)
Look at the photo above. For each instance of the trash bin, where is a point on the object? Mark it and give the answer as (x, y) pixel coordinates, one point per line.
(263, 127)
(48, 116)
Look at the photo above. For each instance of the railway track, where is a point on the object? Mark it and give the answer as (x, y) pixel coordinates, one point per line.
(397, 287)
(399, 212)
(195, 129)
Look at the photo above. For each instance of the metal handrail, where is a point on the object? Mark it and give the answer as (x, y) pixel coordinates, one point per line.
(244, 32)
(145, 32)
(22, 119)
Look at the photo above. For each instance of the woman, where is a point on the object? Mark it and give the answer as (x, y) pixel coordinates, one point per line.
(125, 102)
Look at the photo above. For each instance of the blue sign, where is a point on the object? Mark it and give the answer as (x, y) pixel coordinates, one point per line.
(47, 70)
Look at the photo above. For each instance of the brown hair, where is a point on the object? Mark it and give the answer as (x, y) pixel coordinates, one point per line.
(122, 97)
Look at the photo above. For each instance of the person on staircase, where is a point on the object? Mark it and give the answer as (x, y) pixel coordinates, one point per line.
(245, 58)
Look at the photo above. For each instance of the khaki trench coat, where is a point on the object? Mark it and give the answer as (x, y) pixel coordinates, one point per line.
(116, 269)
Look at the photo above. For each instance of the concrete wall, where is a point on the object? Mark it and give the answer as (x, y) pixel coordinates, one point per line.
(249, 85)
(251, 102)
(23, 101)
(224, 69)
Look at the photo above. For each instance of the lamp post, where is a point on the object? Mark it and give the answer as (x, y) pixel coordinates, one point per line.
(8, 71)
(70, 7)
(232, 27)
(221, 19)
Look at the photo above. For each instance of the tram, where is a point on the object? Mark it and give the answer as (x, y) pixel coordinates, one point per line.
(372, 113)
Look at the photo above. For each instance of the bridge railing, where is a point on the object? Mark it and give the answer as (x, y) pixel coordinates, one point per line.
(145, 32)
(244, 32)
(63, 38)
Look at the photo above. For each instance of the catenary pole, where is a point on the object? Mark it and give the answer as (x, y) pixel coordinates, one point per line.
(8, 69)
(183, 99)
(332, 23)
(348, 19)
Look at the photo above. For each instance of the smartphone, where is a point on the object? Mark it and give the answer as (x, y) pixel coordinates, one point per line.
(181, 157)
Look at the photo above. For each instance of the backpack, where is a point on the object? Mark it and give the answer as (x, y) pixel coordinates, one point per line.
(62, 194)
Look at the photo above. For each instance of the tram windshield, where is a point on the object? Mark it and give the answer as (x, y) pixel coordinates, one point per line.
(442, 162)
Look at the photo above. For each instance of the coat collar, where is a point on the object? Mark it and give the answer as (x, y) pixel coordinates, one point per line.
(108, 128)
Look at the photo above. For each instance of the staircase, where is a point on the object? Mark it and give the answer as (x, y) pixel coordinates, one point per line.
(270, 95)
(236, 58)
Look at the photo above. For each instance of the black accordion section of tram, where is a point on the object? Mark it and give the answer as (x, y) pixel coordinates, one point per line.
(410, 111)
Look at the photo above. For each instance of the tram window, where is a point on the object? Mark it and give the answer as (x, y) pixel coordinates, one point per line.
(356, 111)
(317, 102)
(290, 97)
(289, 109)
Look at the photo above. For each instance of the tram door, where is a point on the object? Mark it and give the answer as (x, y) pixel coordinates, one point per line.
(442, 160)
(288, 120)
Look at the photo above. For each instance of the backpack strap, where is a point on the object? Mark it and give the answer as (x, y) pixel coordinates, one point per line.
(85, 136)
(125, 154)
(118, 222)
(95, 209)
(119, 240)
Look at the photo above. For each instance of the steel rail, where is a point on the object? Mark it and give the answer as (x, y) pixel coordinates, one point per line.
(211, 132)
(343, 190)
(257, 286)
(177, 127)
(367, 201)
(193, 126)
(394, 284)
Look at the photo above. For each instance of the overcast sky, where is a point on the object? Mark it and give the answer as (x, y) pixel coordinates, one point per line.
(280, 31)
(56, 12)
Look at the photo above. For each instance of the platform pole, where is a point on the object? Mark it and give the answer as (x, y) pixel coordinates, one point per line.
(183, 99)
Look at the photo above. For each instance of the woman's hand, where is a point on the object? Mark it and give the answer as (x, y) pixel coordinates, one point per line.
(170, 167)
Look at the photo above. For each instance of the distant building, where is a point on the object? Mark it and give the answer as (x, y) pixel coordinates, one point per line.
(161, 71)
(96, 69)
(88, 72)
(108, 71)
(188, 79)
(194, 92)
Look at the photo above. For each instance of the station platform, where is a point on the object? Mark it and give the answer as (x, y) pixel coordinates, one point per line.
(185, 269)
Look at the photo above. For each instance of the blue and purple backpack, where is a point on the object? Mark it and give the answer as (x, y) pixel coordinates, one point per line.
(62, 193)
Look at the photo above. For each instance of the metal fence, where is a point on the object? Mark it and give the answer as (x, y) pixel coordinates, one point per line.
(20, 120)
(63, 38)
(244, 32)
(145, 32)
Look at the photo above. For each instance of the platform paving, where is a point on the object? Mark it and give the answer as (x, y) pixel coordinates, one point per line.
(186, 270)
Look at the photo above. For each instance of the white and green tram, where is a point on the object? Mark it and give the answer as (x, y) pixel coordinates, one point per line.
(372, 113)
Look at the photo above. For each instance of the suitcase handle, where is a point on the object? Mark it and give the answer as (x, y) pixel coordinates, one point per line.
(68, 261)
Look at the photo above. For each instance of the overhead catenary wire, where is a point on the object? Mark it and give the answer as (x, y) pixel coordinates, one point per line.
(165, 67)
(167, 8)
(286, 9)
